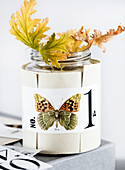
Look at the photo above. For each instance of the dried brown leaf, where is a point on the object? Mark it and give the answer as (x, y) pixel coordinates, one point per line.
(99, 39)
(80, 37)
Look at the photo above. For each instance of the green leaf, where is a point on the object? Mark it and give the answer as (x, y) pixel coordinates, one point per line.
(55, 49)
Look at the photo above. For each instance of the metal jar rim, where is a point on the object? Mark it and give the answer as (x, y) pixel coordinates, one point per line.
(76, 58)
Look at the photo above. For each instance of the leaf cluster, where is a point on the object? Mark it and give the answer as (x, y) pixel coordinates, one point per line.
(32, 31)
(81, 40)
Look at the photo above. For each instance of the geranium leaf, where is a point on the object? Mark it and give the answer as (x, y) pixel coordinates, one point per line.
(29, 31)
(55, 49)
(99, 39)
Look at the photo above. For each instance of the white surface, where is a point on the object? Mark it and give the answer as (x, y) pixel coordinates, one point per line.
(22, 161)
(26, 151)
(64, 15)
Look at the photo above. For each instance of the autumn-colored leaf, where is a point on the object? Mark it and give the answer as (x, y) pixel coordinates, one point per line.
(68, 33)
(37, 35)
(99, 39)
(85, 47)
(29, 31)
(55, 44)
(55, 49)
(53, 57)
(79, 37)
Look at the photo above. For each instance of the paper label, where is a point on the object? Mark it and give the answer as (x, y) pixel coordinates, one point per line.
(11, 160)
(25, 151)
(60, 110)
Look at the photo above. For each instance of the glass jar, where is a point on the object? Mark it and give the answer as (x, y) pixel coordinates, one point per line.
(73, 62)
(61, 107)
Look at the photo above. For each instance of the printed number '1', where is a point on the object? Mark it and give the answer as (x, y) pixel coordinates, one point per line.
(89, 109)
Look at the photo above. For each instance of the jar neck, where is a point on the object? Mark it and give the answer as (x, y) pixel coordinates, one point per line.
(75, 59)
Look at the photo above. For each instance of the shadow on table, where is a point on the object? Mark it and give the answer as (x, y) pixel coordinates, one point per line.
(120, 165)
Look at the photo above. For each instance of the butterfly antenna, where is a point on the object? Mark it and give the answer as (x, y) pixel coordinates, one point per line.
(52, 103)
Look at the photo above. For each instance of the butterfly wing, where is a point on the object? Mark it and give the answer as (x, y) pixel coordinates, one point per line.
(68, 120)
(72, 104)
(46, 120)
(42, 104)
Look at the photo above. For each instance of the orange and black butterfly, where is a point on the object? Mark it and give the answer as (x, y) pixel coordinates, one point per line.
(65, 115)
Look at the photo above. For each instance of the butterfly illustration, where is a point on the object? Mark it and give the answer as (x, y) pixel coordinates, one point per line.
(65, 115)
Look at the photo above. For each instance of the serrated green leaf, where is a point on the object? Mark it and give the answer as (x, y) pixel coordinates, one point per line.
(24, 27)
(55, 49)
